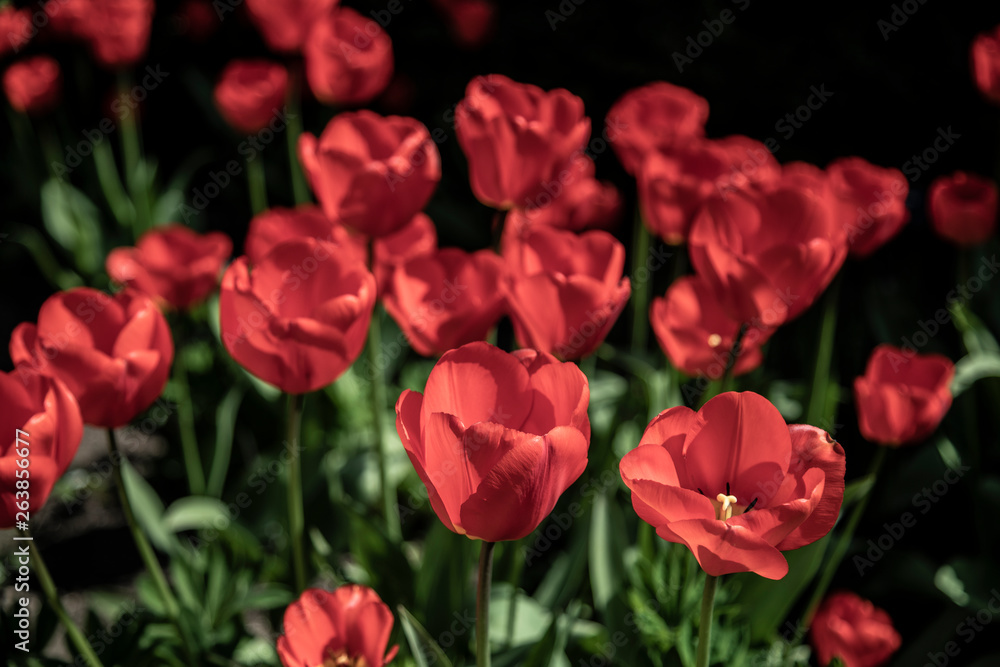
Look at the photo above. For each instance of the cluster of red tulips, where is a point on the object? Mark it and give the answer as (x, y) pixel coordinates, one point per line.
(498, 435)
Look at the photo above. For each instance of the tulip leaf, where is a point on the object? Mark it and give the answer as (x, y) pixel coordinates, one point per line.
(255, 651)
(974, 367)
(553, 644)
(419, 639)
(607, 534)
(196, 512)
(148, 508)
(73, 221)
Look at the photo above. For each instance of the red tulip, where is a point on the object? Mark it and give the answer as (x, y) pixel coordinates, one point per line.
(15, 29)
(118, 30)
(250, 93)
(33, 85)
(350, 626)
(41, 424)
(277, 225)
(564, 292)
(986, 64)
(172, 264)
(903, 396)
(284, 24)
(300, 318)
(655, 117)
(577, 202)
(446, 299)
(348, 58)
(112, 352)
(518, 139)
(68, 18)
(873, 202)
(496, 438)
(963, 208)
(735, 484)
(767, 254)
(697, 335)
(417, 239)
(854, 630)
(373, 173)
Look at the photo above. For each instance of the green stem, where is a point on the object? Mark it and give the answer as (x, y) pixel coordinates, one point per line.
(141, 543)
(293, 113)
(296, 512)
(842, 545)
(816, 413)
(189, 437)
(135, 168)
(257, 184)
(483, 605)
(705, 627)
(75, 636)
(640, 288)
(111, 185)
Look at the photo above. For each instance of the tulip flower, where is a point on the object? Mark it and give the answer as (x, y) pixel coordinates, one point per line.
(470, 22)
(582, 202)
(41, 424)
(284, 24)
(417, 239)
(350, 626)
(348, 58)
(903, 396)
(985, 54)
(963, 208)
(496, 438)
(118, 30)
(446, 299)
(564, 292)
(172, 264)
(250, 93)
(697, 335)
(300, 317)
(277, 225)
(15, 26)
(735, 484)
(853, 629)
(768, 253)
(112, 352)
(654, 117)
(872, 202)
(373, 173)
(33, 85)
(518, 139)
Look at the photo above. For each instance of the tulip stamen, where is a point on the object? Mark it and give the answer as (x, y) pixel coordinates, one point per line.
(700, 491)
(727, 488)
(750, 506)
(728, 501)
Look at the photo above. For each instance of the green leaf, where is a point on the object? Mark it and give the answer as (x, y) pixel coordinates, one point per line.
(255, 651)
(607, 534)
(194, 513)
(73, 221)
(148, 508)
(974, 367)
(419, 639)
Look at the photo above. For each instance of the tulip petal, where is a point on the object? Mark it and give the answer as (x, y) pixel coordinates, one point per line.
(814, 448)
(659, 504)
(722, 548)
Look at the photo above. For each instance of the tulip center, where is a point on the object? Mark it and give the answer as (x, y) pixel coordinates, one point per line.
(342, 659)
(725, 511)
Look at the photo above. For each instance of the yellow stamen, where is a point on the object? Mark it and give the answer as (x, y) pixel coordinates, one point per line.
(726, 511)
(714, 340)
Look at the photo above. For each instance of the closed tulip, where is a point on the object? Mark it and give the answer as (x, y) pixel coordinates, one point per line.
(963, 208)
(118, 30)
(348, 58)
(654, 117)
(446, 299)
(250, 93)
(518, 138)
(985, 54)
(872, 202)
(735, 484)
(418, 238)
(277, 225)
(578, 202)
(853, 629)
(33, 85)
(15, 26)
(172, 264)
(41, 425)
(373, 173)
(284, 24)
(300, 317)
(564, 292)
(496, 438)
(903, 396)
(112, 352)
(350, 627)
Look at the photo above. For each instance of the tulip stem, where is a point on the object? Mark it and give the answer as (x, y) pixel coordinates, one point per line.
(842, 545)
(48, 586)
(705, 625)
(296, 512)
(640, 288)
(816, 413)
(294, 129)
(141, 543)
(135, 169)
(257, 184)
(189, 438)
(483, 605)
